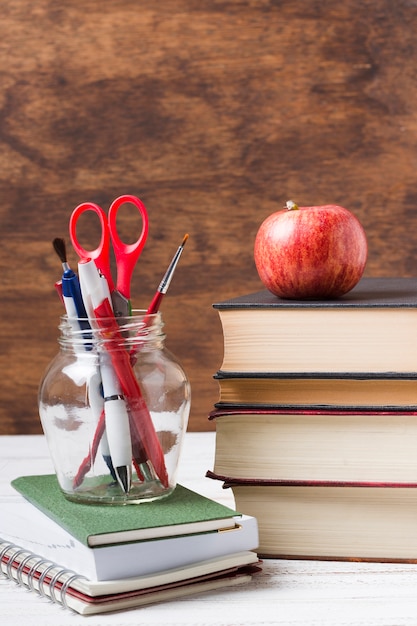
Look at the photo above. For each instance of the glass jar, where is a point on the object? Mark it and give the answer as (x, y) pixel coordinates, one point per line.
(114, 406)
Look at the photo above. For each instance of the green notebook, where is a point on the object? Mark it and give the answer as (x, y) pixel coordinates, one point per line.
(182, 512)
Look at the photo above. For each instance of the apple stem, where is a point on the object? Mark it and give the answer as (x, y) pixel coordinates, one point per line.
(291, 206)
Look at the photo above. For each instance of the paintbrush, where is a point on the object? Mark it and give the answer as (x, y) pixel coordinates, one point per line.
(166, 280)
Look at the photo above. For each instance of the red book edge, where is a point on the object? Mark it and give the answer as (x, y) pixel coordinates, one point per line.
(255, 410)
(230, 481)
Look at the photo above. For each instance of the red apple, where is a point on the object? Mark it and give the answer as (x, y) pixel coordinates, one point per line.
(310, 252)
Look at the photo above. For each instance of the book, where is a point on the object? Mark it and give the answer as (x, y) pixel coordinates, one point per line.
(88, 598)
(300, 390)
(53, 536)
(340, 445)
(330, 520)
(371, 329)
(123, 560)
(317, 418)
(182, 512)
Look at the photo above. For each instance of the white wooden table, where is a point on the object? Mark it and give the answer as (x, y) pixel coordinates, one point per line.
(292, 593)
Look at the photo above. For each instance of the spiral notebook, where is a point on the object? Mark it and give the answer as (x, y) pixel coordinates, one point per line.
(53, 530)
(86, 597)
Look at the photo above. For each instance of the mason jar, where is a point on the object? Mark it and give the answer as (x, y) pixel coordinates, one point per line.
(114, 406)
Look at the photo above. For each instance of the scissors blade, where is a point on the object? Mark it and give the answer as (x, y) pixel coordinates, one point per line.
(121, 305)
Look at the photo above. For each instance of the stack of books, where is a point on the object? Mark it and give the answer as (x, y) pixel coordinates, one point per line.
(316, 424)
(95, 559)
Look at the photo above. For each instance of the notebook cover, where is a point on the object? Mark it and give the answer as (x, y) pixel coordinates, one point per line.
(183, 506)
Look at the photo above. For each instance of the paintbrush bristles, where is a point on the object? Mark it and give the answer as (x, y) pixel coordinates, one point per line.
(184, 240)
(60, 249)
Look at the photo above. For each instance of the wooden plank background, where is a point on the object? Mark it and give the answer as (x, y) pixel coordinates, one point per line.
(214, 114)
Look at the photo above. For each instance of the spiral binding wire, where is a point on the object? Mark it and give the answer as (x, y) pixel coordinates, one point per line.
(10, 553)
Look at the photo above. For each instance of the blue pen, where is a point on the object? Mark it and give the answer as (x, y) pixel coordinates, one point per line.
(78, 319)
(71, 293)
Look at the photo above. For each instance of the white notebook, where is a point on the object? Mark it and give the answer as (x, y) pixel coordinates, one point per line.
(87, 597)
(51, 541)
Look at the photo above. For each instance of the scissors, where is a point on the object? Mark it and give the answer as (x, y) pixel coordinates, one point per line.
(126, 254)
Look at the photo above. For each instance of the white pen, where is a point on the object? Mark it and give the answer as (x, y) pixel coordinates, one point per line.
(94, 289)
(96, 402)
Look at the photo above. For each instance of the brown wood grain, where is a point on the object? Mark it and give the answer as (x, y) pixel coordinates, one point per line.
(214, 114)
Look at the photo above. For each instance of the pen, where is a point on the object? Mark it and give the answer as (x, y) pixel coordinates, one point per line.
(117, 425)
(92, 453)
(96, 402)
(96, 398)
(70, 292)
(143, 430)
(58, 287)
(95, 293)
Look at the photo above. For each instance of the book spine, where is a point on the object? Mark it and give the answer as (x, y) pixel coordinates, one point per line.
(36, 573)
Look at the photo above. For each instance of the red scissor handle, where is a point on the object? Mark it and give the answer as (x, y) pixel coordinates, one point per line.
(127, 254)
(101, 254)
